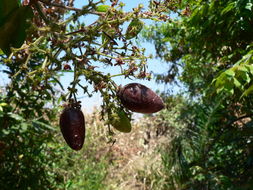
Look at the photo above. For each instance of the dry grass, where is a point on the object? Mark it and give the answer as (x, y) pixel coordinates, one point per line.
(133, 157)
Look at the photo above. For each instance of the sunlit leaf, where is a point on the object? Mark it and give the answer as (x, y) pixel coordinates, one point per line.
(250, 68)
(102, 8)
(230, 72)
(242, 68)
(228, 8)
(248, 91)
(249, 6)
(237, 83)
(15, 116)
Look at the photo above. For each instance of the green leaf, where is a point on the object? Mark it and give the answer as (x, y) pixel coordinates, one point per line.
(24, 127)
(6, 8)
(15, 116)
(219, 90)
(229, 87)
(237, 83)
(42, 124)
(3, 104)
(134, 28)
(249, 6)
(220, 80)
(245, 77)
(102, 8)
(248, 91)
(230, 72)
(228, 8)
(13, 31)
(242, 68)
(250, 68)
(195, 16)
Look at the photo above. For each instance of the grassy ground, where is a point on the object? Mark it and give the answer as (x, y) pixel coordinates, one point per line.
(134, 156)
(124, 161)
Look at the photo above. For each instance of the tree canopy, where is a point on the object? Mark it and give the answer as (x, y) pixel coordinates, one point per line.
(208, 46)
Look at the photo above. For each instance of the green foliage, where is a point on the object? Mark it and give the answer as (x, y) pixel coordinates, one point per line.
(78, 170)
(237, 77)
(209, 47)
(205, 148)
(34, 156)
(13, 25)
(24, 157)
(204, 40)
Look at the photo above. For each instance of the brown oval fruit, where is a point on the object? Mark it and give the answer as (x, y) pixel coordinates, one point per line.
(139, 98)
(73, 127)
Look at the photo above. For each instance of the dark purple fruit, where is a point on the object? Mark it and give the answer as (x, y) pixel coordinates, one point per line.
(73, 127)
(139, 98)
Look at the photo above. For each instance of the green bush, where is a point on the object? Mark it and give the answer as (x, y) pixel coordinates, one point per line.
(34, 155)
(204, 149)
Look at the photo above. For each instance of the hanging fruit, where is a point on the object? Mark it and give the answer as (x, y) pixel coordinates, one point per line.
(72, 125)
(121, 122)
(139, 98)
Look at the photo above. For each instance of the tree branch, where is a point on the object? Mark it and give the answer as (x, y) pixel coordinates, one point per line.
(47, 2)
(41, 13)
(60, 6)
(240, 118)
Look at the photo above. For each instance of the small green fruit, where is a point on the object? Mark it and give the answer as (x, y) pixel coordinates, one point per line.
(121, 122)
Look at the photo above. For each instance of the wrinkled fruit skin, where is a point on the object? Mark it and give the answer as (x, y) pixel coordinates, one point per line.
(121, 122)
(139, 98)
(73, 127)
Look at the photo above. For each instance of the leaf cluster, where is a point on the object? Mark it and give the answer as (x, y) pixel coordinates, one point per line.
(209, 49)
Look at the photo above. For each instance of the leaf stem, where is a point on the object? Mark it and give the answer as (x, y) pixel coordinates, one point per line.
(24, 66)
(117, 75)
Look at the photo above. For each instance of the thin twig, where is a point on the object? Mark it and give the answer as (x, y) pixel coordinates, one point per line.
(69, 8)
(41, 13)
(78, 31)
(240, 118)
(60, 5)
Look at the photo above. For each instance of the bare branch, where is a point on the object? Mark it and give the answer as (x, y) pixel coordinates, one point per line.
(60, 6)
